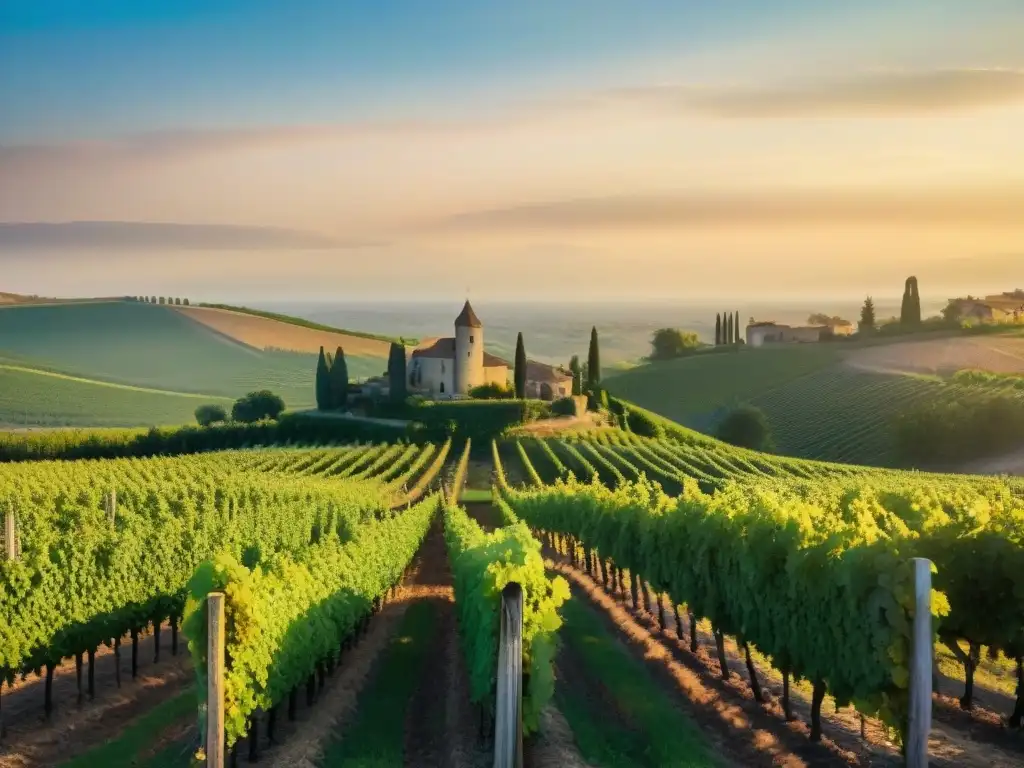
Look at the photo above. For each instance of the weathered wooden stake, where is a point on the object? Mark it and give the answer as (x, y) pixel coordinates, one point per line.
(117, 661)
(787, 708)
(11, 535)
(271, 722)
(112, 506)
(78, 676)
(215, 680)
(922, 652)
(92, 674)
(135, 652)
(254, 739)
(508, 725)
(723, 662)
(48, 693)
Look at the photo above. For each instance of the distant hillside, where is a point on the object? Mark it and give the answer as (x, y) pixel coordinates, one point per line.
(140, 345)
(155, 235)
(823, 401)
(300, 322)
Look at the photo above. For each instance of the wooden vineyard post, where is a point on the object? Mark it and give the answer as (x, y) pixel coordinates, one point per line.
(215, 681)
(112, 505)
(922, 652)
(508, 726)
(10, 535)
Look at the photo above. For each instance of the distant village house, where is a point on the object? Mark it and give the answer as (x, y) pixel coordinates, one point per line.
(1005, 307)
(767, 332)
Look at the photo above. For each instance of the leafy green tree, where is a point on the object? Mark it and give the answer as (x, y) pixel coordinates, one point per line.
(577, 375)
(594, 361)
(867, 316)
(669, 343)
(339, 380)
(152, 299)
(256, 406)
(210, 414)
(323, 383)
(396, 373)
(718, 329)
(177, 302)
(520, 368)
(185, 302)
(746, 427)
(492, 391)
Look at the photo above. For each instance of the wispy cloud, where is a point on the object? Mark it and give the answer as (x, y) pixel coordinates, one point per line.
(873, 94)
(989, 207)
(106, 235)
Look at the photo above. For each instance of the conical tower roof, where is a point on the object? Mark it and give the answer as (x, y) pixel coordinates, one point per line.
(467, 318)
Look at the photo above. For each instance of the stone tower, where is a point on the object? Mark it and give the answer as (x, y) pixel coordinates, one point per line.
(469, 351)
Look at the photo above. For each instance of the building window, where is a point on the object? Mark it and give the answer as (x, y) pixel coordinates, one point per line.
(471, 339)
(469, 354)
(442, 387)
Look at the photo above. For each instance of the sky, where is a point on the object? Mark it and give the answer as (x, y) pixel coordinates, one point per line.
(535, 150)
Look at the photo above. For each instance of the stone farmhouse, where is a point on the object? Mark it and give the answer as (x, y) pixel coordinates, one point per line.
(767, 332)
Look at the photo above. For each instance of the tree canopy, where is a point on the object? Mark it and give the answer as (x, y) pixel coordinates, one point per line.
(256, 406)
(210, 414)
(669, 343)
(867, 316)
(746, 427)
(820, 318)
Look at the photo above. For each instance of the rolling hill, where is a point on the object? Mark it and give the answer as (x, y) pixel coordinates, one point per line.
(119, 363)
(828, 402)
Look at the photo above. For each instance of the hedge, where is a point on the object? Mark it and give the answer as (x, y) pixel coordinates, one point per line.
(114, 443)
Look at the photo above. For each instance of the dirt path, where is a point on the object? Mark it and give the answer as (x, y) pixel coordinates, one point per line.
(953, 735)
(73, 728)
(440, 724)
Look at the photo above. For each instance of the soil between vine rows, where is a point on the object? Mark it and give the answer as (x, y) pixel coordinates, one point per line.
(952, 743)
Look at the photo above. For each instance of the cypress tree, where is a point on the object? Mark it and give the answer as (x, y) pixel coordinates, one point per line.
(396, 373)
(323, 383)
(739, 336)
(905, 304)
(728, 329)
(718, 329)
(915, 302)
(577, 375)
(519, 375)
(339, 380)
(594, 361)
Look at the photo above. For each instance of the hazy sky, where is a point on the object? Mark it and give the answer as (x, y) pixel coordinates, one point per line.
(598, 148)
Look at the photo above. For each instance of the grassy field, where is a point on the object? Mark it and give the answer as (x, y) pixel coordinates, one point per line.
(37, 398)
(137, 346)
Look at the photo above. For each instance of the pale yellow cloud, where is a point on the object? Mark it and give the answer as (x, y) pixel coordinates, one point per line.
(870, 94)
